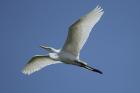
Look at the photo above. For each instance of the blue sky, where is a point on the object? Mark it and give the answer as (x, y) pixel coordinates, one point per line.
(112, 47)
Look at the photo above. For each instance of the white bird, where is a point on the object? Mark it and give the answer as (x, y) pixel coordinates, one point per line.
(69, 54)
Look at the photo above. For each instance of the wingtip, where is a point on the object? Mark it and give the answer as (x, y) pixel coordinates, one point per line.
(98, 6)
(99, 9)
(25, 73)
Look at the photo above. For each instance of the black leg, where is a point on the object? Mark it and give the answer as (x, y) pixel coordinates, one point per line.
(81, 64)
(93, 69)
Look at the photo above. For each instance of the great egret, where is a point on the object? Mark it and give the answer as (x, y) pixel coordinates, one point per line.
(69, 54)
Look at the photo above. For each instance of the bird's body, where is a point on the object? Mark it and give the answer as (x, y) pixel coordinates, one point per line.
(70, 52)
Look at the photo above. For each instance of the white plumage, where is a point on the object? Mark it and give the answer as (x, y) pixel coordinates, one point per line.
(38, 62)
(69, 54)
(80, 30)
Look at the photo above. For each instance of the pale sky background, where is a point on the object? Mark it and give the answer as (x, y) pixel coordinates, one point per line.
(112, 47)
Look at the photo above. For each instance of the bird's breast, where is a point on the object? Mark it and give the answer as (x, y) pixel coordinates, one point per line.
(66, 57)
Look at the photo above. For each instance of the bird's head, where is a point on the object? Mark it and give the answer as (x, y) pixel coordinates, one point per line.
(50, 49)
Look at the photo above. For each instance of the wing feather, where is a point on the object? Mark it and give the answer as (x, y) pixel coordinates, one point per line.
(80, 30)
(37, 63)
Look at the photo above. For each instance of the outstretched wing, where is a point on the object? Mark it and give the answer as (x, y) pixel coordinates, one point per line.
(80, 30)
(36, 63)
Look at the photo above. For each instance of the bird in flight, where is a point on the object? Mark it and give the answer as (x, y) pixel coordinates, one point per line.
(69, 54)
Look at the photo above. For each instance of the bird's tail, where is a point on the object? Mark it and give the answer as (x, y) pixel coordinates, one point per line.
(93, 69)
